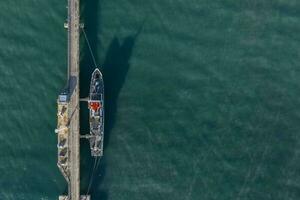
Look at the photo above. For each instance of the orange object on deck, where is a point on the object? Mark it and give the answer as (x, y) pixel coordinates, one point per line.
(95, 105)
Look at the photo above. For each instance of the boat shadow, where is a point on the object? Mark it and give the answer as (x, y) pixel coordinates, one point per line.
(115, 69)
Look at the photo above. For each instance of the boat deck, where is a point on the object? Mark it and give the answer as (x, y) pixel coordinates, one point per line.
(82, 197)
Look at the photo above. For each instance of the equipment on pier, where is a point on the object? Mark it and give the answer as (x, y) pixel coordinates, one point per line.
(62, 131)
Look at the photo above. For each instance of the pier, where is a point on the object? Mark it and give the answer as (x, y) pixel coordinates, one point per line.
(68, 111)
(73, 73)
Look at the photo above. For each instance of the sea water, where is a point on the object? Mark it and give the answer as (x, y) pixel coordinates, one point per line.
(201, 99)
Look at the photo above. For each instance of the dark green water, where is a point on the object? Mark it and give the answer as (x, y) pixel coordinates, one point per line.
(202, 98)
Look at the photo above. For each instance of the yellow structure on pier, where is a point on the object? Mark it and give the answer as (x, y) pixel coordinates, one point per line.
(63, 135)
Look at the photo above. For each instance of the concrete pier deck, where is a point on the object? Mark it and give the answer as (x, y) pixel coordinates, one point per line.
(73, 72)
(71, 169)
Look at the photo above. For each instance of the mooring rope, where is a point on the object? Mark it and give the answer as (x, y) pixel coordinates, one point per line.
(92, 175)
(90, 49)
(97, 159)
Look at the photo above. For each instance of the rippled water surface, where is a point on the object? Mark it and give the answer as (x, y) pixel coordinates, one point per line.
(202, 98)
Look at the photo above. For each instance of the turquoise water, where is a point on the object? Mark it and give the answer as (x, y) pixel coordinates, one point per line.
(202, 98)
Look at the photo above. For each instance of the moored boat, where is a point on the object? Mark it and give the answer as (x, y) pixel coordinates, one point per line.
(96, 113)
